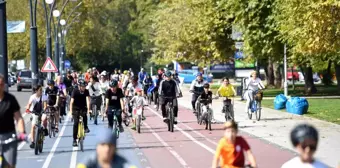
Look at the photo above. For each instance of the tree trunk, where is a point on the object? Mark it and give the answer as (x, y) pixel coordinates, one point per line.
(326, 75)
(270, 73)
(277, 75)
(337, 74)
(309, 82)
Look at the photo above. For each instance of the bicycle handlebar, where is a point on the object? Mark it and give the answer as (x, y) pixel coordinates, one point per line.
(14, 138)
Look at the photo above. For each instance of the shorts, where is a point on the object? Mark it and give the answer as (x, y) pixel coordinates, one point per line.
(9, 150)
(35, 118)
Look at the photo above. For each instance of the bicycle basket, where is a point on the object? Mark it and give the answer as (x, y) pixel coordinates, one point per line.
(258, 96)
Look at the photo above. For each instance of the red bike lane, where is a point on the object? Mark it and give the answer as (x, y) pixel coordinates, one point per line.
(190, 145)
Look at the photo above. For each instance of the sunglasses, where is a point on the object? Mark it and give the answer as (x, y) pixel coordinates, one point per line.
(312, 147)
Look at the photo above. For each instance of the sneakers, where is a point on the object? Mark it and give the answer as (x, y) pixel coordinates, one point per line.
(155, 106)
(74, 143)
(56, 130)
(133, 127)
(32, 145)
(175, 120)
(87, 130)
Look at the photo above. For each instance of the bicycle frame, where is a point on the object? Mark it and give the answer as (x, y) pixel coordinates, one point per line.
(170, 113)
(6, 142)
(115, 129)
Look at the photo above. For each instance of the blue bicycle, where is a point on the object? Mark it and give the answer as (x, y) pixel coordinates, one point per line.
(255, 105)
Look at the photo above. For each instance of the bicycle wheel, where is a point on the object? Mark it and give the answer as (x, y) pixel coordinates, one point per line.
(103, 112)
(258, 111)
(53, 125)
(50, 127)
(198, 113)
(41, 140)
(227, 113)
(94, 113)
(36, 141)
(169, 116)
(209, 120)
(171, 120)
(127, 120)
(138, 123)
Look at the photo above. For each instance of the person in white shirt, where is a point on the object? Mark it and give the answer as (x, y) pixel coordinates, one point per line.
(95, 93)
(36, 105)
(132, 86)
(253, 84)
(104, 86)
(138, 101)
(304, 138)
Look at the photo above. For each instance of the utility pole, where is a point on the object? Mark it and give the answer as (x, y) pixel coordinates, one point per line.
(3, 43)
(285, 85)
(34, 42)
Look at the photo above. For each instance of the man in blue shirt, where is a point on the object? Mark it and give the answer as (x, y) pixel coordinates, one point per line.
(141, 75)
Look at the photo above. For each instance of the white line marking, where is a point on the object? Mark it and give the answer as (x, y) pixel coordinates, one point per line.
(74, 157)
(187, 135)
(199, 134)
(173, 152)
(22, 144)
(50, 155)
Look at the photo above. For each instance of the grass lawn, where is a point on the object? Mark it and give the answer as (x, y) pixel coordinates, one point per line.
(323, 109)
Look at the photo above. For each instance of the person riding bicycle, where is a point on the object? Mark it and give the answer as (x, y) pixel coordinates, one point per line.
(137, 101)
(141, 75)
(68, 81)
(169, 91)
(52, 93)
(114, 104)
(130, 90)
(36, 105)
(157, 83)
(206, 97)
(106, 153)
(79, 106)
(9, 112)
(304, 138)
(226, 90)
(104, 86)
(196, 88)
(231, 148)
(95, 93)
(253, 85)
(62, 95)
(147, 82)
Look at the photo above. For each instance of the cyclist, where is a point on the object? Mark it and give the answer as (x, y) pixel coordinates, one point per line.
(304, 138)
(231, 148)
(226, 90)
(68, 81)
(36, 105)
(115, 75)
(87, 75)
(157, 83)
(206, 97)
(80, 100)
(106, 153)
(95, 91)
(104, 86)
(253, 84)
(141, 75)
(52, 93)
(130, 90)
(168, 88)
(196, 88)
(114, 101)
(137, 101)
(126, 79)
(9, 111)
(147, 82)
(62, 95)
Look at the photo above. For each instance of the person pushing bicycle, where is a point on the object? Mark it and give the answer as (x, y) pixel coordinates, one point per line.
(138, 101)
(80, 102)
(169, 91)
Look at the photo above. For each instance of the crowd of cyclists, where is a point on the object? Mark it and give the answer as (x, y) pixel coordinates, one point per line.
(111, 92)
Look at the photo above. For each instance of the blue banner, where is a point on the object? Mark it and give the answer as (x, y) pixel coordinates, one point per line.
(16, 26)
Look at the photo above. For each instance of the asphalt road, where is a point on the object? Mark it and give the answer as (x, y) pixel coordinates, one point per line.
(190, 145)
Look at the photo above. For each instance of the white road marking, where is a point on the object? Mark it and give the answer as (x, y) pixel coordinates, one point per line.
(55, 145)
(74, 157)
(172, 151)
(199, 134)
(187, 135)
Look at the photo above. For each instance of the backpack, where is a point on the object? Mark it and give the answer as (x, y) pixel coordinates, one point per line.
(38, 106)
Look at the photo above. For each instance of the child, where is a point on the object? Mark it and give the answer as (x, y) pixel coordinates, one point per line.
(226, 90)
(206, 97)
(231, 148)
(304, 138)
(138, 101)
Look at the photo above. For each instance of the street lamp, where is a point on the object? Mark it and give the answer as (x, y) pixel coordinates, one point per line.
(3, 42)
(34, 42)
(63, 22)
(141, 59)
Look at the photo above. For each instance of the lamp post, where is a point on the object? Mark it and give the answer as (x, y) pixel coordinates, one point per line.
(3, 42)
(141, 59)
(34, 41)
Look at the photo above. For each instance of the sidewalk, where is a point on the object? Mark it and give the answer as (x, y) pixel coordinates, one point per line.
(275, 127)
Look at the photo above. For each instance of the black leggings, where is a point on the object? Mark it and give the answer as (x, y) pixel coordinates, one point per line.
(110, 114)
(193, 100)
(76, 114)
(163, 104)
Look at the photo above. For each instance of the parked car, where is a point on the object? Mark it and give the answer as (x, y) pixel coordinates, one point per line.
(24, 80)
(190, 75)
(292, 75)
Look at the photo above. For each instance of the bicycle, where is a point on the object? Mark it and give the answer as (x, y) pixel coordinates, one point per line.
(228, 113)
(170, 113)
(139, 113)
(39, 136)
(12, 139)
(102, 108)
(206, 113)
(255, 105)
(115, 129)
(50, 112)
(81, 133)
(94, 114)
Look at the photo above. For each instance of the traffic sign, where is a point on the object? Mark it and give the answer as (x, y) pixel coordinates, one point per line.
(49, 66)
(67, 64)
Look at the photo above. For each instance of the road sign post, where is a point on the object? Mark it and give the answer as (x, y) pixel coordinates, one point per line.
(49, 67)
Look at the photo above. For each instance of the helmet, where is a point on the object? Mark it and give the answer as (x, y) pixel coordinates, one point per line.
(167, 73)
(113, 83)
(138, 90)
(302, 132)
(199, 74)
(50, 82)
(82, 82)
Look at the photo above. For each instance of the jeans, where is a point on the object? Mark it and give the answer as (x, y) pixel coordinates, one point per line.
(114, 111)
(76, 114)
(163, 103)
